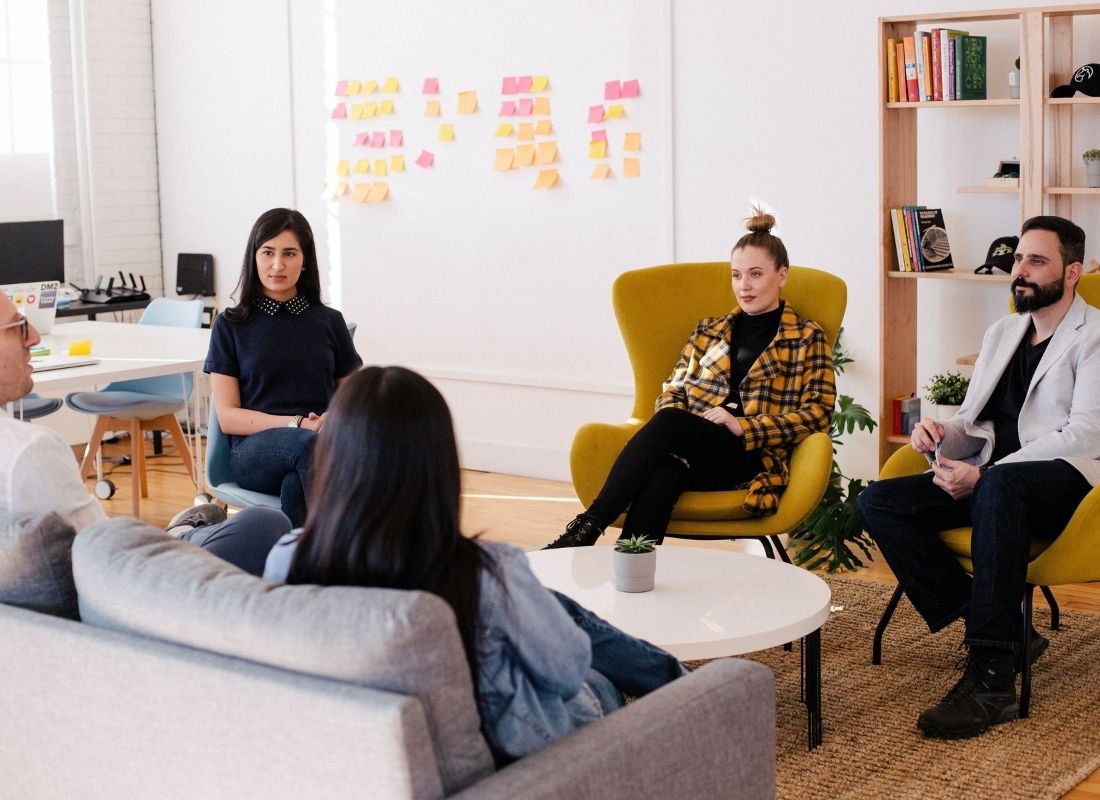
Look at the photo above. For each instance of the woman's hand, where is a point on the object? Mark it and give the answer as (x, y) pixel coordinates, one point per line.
(720, 416)
(314, 422)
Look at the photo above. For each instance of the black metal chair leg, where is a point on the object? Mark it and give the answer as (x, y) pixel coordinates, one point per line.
(876, 646)
(1025, 673)
(767, 546)
(780, 548)
(1055, 614)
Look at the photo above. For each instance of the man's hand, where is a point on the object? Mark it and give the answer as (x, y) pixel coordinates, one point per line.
(957, 478)
(926, 435)
(720, 416)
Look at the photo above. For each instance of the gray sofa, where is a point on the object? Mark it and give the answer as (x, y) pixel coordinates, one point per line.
(188, 678)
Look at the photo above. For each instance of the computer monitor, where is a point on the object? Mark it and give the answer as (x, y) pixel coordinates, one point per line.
(31, 252)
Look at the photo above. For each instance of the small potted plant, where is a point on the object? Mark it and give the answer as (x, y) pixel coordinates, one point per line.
(635, 564)
(946, 392)
(1092, 167)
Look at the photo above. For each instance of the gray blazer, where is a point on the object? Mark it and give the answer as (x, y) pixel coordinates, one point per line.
(1060, 417)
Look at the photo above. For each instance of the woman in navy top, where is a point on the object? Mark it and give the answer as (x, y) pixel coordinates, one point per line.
(275, 360)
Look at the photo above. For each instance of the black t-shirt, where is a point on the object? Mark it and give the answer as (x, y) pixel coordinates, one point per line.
(1004, 405)
(750, 336)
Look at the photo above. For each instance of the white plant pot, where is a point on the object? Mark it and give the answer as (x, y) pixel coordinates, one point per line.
(946, 412)
(634, 572)
(1092, 173)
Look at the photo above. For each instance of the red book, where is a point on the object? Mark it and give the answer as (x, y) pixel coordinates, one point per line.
(911, 68)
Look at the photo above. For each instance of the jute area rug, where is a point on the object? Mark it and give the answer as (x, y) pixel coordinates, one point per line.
(872, 748)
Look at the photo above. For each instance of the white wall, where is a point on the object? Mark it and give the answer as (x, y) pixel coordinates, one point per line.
(751, 116)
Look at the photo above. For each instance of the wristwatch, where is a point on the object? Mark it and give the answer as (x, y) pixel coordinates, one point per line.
(296, 422)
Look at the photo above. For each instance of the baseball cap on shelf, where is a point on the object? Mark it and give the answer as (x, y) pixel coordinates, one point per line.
(1001, 255)
(1085, 80)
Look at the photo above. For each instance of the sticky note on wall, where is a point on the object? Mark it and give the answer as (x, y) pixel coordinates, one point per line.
(612, 90)
(541, 107)
(340, 112)
(391, 86)
(631, 88)
(431, 108)
(504, 129)
(446, 132)
(425, 159)
(397, 163)
(543, 127)
(546, 153)
(504, 158)
(525, 155)
(602, 171)
(379, 191)
(546, 179)
(467, 102)
(540, 83)
(595, 114)
(597, 149)
(632, 142)
(431, 86)
(631, 168)
(616, 111)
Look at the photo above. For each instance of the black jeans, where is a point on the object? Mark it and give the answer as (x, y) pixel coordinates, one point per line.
(650, 474)
(1011, 504)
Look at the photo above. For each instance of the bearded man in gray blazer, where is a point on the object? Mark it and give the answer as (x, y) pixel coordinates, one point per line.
(1013, 463)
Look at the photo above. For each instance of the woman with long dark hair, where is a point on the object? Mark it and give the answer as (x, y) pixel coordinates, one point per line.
(275, 360)
(384, 512)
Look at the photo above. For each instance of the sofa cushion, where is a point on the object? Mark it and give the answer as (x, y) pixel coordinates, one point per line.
(36, 568)
(135, 578)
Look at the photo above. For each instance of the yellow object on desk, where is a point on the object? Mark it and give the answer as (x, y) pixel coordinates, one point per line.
(81, 347)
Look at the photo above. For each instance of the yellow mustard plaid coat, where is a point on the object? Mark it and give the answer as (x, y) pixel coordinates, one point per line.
(788, 393)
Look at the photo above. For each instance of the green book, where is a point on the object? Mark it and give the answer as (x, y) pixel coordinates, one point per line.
(970, 68)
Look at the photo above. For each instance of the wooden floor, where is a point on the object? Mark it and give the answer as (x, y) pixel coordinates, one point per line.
(527, 512)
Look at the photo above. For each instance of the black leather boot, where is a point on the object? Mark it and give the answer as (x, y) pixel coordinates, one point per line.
(581, 532)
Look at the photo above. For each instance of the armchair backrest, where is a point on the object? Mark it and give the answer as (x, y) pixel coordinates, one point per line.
(657, 309)
(219, 469)
(1089, 288)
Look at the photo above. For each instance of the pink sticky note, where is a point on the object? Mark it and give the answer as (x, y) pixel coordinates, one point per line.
(341, 88)
(612, 90)
(425, 159)
(378, 139)
(526, 106)
(508, 108)
(397, 138)
(508, 86)
(595, 113)
(431, 86)
(362, 139)
(631, 88)
(340, 112)
(599, 136)
(523, 83)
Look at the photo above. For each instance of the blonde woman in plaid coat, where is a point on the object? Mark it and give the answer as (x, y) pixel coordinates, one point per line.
(747, 388)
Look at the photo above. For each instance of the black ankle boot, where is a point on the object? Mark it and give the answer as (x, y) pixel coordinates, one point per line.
(983, 697)
(583, 531)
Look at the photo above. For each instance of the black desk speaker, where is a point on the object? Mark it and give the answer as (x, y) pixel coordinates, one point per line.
(195, 274)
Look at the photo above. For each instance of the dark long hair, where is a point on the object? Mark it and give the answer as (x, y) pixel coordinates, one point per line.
(267, 227)
(384, 497)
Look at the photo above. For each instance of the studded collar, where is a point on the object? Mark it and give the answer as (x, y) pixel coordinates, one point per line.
(295, 305)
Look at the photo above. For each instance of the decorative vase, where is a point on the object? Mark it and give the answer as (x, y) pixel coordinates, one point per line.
(1092, 173)
(1014, 84)
(946, 412)
(634, 572)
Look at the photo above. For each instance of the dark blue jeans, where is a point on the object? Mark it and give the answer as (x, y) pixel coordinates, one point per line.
(276, 461)
(1011, 504)
(245, 539)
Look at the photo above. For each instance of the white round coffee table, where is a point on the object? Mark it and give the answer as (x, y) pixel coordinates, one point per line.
(705, 603)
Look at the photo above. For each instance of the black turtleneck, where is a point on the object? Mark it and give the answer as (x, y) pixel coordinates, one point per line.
(750, 336)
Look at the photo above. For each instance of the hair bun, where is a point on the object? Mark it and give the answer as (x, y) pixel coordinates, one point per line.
(760, 221)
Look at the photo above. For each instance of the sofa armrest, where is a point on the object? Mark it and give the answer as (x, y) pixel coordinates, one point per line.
(708, 734)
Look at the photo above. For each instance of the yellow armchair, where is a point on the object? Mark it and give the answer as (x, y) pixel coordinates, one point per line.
(657, 309)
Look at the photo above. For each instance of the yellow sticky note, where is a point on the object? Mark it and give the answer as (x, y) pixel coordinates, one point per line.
(597, 149)
(547, 153)
(539, 83)
(546, 178)
(362, 166)
(359, 195)
(543, 128)
(342, 168)
(370, 109)
(370, 87)
(526, 132)
(602, 171)
(353, 87)
(431, 108)
(385, 107)
(542, 107)
(391, 85)
(525, 155)
(467, 102)
(503, 162)
(81, 347)
(504, 129)
(379, 167)
(379, 191)
(357, 111)
(446, 132)
(397, 163)
(632, 168)
(632, 142)
(616, 111)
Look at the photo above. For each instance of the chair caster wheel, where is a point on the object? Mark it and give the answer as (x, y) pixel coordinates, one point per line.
(105, 489)
(203, 499)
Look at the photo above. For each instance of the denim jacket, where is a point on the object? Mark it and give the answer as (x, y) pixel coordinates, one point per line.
(532, 657)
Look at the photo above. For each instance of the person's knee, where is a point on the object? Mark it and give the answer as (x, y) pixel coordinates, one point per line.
(265, 520)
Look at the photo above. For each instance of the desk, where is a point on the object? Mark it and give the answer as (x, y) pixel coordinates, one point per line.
(129, 351)
(89, 310)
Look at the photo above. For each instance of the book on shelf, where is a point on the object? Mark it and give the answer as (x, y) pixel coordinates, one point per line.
(910, 414)
(892, 71)
(910, 216)
(910, 49)
(919, 40)
(937, 77)
(933, 247)
(903, 88)
(947, 60)
(899, 239)
(970, 81)
(926, 52)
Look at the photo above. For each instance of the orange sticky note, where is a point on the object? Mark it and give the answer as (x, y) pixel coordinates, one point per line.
(391, 85)
(362, 166)
(341, 189)
(353, 87)
(379, 191)
(631, 168)
(397, 163)
(359, 194)
(526, 132)
(431, 108)
(370, 109)
(547, 153)
(81, 347)
(503, 162)
(446, 132)
(370, 87)
(467, 102)
(342, 168)
(539, 83)
(602, 171)
(597, 149)
(525, 155)
(543, 128)
(632, 142)
(616, 111)
(546, 179)
(379, 167)
(504, 129)
(542, 107)
(385, 107)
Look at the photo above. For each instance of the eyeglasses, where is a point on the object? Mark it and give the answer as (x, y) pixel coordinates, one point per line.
(23, 324)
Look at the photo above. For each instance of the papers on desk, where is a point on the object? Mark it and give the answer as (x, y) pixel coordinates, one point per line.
(46, 363)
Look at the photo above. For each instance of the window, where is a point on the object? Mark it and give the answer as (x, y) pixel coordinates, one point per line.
(26, 122)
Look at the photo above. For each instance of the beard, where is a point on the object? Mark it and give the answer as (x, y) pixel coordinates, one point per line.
(1041, 295)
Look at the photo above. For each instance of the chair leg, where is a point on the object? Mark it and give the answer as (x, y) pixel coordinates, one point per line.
(779, 548)
(876, 646)
(767, 546)
(1025, 673)
(180, 441)
(1055, 614)
(88, 462)
(137, 466)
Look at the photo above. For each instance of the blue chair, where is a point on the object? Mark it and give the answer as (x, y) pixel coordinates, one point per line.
(145, 404)
(32, 406)
(219, 471)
